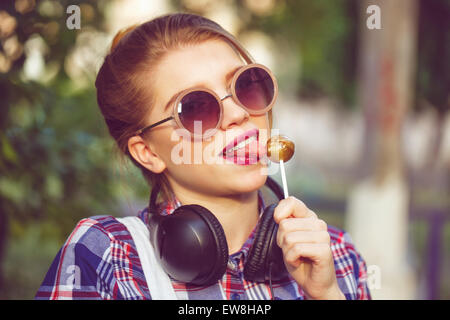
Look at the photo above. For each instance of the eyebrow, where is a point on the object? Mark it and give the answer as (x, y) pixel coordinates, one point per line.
(228, 77)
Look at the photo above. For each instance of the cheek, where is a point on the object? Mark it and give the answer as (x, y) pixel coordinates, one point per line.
(262, 121)
(184, 157)
(165, 141)
(184, 152)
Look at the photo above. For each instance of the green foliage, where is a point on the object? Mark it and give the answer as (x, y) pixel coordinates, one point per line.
(55, 152)
(28, 258)
(325, 34)
(56, 163)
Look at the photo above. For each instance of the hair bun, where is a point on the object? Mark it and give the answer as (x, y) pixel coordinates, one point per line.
(120, 34)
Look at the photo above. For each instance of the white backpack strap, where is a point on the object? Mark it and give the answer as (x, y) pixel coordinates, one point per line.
(158, 282)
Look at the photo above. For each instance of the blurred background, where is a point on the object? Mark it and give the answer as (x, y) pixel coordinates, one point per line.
(366, 107)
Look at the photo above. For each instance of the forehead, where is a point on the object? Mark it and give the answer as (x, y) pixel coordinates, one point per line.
(205, 63)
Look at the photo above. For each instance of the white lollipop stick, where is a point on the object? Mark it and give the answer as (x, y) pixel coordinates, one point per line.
(283, 179)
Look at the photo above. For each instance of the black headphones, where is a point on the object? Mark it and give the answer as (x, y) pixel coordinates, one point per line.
(190, 244)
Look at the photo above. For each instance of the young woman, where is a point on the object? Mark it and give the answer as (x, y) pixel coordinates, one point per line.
(171, 89)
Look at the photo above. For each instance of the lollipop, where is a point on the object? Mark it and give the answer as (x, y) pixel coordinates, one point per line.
(280, 149)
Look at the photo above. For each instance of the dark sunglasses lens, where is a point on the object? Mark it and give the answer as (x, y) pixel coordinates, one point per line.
(255, 88)
(199, 108)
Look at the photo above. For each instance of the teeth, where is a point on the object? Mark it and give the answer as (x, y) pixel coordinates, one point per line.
(242, 144)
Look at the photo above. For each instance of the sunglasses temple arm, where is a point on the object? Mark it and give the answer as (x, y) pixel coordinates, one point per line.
(154, 125)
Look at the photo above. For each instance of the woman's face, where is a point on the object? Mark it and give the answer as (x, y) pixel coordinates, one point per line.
(199, 166)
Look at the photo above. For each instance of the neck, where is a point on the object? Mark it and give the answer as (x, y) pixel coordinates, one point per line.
(238, 214)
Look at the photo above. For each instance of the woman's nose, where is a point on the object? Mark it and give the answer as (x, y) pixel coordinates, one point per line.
(233, 114)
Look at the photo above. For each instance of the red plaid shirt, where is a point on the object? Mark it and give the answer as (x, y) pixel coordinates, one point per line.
(99, 261)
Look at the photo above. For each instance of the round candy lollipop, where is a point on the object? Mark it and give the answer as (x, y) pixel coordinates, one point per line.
(280, 149)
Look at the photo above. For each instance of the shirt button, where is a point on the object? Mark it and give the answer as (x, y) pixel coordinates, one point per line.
(235, 296)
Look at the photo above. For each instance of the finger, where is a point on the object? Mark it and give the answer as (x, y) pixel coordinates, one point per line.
(316, 252)
(292, 207)
(288, 240)
(299, 224)
(302, 224)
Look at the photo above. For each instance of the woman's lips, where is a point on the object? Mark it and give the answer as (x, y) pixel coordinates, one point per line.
(243, 150)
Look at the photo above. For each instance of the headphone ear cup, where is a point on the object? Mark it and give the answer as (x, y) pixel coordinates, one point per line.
(265, 251)
(191, 245)
(221, 260)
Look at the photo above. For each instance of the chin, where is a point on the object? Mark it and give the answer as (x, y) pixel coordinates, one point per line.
(246, 181)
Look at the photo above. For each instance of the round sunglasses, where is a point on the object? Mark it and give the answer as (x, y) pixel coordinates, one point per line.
(253, 87)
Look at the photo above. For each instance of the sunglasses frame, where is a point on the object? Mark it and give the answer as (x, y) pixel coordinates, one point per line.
(232, 88)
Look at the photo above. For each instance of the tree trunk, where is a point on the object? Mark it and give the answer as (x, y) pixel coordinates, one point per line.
(378, 207)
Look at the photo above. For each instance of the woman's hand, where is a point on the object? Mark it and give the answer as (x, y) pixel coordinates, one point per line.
(305, 242)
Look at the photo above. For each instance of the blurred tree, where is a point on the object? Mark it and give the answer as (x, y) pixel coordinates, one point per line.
(433, 78)
(55, 153)
(323, 33)
(387, 75)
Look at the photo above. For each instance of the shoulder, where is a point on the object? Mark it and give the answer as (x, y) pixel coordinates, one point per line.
(95, 243)
(351, 270)
(342, 243)
(101, 241)
(98, 232)
(98, 259)
(342, 246)
(94, 236)
(339, 236)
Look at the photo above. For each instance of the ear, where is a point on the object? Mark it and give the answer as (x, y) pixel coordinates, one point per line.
(143, 153)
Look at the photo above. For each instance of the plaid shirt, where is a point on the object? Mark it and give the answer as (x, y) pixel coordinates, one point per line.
(99, 261)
